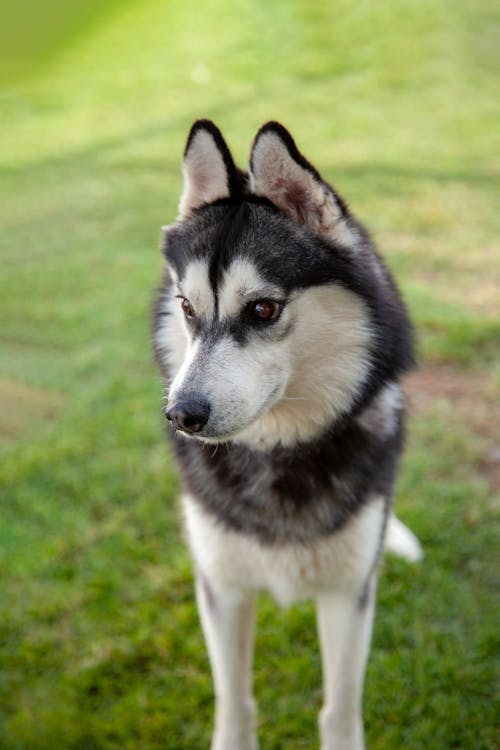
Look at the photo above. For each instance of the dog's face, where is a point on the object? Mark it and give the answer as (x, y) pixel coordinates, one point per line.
(261, 328)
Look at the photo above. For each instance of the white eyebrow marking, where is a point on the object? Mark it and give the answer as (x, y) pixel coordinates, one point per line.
(242, 282)
(196, 287)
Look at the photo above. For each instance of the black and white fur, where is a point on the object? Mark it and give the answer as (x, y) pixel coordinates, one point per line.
(288, 429)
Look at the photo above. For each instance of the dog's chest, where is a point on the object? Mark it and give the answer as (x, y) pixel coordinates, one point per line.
(289, 572)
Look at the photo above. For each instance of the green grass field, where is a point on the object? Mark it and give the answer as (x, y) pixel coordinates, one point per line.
(397, 102)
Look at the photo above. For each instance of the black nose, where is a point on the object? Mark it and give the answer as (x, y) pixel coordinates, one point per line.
(189, 414)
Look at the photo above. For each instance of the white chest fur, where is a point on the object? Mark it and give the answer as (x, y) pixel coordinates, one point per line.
(232, 560)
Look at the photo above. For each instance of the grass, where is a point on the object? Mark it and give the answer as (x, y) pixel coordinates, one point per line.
(396, 101)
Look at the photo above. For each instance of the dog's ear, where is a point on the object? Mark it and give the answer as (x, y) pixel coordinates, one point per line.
(279, 172)
(208, 168)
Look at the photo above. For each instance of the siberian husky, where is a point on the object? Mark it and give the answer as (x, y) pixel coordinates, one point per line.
(281, 337)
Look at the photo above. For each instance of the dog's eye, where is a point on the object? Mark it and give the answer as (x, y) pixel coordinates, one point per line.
(187, 308)
(265, 310)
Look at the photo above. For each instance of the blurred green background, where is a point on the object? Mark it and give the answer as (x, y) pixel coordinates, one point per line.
(397, 102)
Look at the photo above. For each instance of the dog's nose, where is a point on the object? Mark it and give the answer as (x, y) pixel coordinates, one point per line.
(189, 414)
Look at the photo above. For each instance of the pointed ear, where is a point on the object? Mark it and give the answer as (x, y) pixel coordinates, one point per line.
(208, 168)
(279, 172)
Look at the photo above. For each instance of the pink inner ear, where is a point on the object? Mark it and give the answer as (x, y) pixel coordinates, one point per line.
(291, 186)
(296, 197)
(297, 190)
(200, 181)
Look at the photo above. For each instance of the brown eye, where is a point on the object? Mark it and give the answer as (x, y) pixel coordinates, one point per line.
(265, 310)
(187, 308)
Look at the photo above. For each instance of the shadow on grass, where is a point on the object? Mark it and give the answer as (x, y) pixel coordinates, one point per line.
(179, 126)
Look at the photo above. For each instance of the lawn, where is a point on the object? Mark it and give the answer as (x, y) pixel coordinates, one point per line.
(397, 102)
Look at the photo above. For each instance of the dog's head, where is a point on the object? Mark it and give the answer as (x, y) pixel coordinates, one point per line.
(268, 325)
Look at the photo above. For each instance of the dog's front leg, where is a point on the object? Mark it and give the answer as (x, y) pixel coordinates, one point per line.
(228, 620)
(345, 624)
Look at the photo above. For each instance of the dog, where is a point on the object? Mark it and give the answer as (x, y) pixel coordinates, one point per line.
(282, 338)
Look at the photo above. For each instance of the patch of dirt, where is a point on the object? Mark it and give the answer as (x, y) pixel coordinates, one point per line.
(471, 397)
(22, 406)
